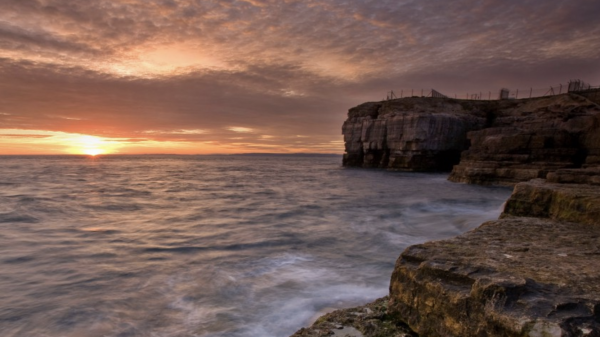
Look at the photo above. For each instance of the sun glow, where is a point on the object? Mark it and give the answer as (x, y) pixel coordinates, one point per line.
(93, 152)
(44, 142)
(91, 145)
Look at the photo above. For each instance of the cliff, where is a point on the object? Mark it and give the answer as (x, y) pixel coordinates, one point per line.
(484, 142)
(535, 272)
(532, 139)
(417, 134)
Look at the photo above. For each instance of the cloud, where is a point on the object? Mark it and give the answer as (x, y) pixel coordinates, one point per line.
(239, 129)
(176, 132)
(346, 40)
(195, 70)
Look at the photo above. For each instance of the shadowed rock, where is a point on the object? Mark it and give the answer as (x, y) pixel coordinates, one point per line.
(482, 142)
(412, 134)
(532, 139)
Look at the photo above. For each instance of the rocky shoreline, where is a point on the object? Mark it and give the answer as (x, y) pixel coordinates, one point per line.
(480, 142)
(533, 272)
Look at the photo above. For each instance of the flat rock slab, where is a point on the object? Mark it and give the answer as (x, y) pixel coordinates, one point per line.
(558, 201)
(510, 277)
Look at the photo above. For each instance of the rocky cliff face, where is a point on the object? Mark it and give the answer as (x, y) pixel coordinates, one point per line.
(532, 139)
(487, 142)
(413, 134)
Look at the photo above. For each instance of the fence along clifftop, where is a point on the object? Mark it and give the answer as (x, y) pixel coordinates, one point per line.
(574, 86)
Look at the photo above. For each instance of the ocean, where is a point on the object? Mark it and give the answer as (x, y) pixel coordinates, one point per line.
(169, 246)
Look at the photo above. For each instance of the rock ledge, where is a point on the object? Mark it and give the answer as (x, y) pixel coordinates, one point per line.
(511, 277)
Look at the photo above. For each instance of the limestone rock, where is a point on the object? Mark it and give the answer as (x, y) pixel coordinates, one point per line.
(493, 142)
(413, 134)
(532, 273)
(568, 202)
(589, 176)
(511, 277)
(591, 143)
(531, 139)
(369, 320)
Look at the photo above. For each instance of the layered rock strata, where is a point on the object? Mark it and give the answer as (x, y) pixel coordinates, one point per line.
(529, 141)
(564, 202)
(413, 134)
(543, 281)
(482, 142)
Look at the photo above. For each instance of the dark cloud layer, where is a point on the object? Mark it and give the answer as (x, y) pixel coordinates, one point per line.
(286, 71)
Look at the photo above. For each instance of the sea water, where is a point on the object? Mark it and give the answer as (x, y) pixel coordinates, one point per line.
(169, 246)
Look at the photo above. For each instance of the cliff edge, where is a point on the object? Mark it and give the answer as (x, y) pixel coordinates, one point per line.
(484, 142)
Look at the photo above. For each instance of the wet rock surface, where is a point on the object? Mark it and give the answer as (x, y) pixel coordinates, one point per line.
(370, 320)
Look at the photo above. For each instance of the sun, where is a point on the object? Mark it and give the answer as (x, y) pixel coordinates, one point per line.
(92, 152)
(91, 145)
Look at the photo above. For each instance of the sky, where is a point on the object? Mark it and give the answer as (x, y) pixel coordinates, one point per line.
(239, 76)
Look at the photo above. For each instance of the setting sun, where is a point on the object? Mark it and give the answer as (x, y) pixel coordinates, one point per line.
(93, 152)
(91, 145)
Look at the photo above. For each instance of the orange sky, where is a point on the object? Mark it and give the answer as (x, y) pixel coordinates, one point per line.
(238, 76)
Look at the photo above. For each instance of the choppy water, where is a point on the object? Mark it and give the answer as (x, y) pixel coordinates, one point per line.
(208, 245)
